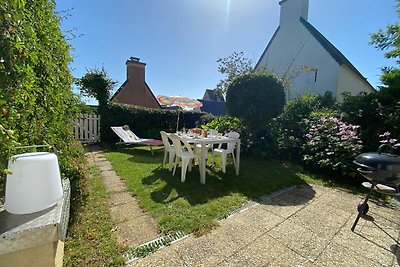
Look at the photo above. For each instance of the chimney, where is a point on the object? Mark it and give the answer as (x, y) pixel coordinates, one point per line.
(135, 70)
(292, 10)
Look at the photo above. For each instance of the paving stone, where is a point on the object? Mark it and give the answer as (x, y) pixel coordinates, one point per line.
(115, 186)
(263, 251)
(291, 259)
(166, 257)
(120, 198)
(104, 166)
(285, 205)
(258, 218)
(325, 221)
(309, 191)
(336, 255)
(301, 240)
(136, 231)
(343, 201)
(203, 251)
(370, 242)
(124, 212)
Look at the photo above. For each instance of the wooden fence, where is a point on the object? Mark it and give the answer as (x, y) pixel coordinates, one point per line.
(87, 128)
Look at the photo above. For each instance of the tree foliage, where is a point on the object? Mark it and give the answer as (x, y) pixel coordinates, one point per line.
(232, 66)
(255, 97)
(36, 100)
(389, 40)
(95, 83)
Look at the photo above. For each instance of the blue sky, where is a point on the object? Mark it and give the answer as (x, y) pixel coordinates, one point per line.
(181, 40)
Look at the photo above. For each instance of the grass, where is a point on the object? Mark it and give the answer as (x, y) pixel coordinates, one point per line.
(91, 241)
(191, 206)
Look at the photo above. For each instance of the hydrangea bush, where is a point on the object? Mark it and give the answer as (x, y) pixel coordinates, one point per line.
(385, 138)
(332, 146)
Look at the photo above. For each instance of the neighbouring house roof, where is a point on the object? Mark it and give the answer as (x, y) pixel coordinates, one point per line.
(214, 107)
(124, 84)
(119, 90)
(331, 49)
(210, 94)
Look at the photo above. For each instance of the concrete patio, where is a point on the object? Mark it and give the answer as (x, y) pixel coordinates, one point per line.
(305, 226)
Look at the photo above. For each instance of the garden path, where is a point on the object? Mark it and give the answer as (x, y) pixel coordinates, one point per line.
(133, 226)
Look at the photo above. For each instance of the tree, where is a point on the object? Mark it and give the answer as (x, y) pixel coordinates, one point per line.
(389, 41)
(95, 83)
(232, 66)
(255, 97)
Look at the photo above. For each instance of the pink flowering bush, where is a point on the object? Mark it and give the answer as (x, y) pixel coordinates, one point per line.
(386, 139)
(332, 146)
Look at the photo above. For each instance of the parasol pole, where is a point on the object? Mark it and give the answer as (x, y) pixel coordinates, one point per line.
(177, 121)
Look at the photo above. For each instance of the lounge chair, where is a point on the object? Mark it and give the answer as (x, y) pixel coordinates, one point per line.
(129, 138)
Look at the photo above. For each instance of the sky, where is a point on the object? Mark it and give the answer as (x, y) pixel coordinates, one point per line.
(181, 40)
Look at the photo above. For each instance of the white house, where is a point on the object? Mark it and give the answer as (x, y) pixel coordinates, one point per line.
(300, 53)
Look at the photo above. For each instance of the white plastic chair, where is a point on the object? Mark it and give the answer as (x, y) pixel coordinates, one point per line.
(169, 150)
(229, 150)
(185, 153)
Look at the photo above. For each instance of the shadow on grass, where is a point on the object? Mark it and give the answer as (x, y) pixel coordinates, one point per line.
(256, 179)
(140, 154)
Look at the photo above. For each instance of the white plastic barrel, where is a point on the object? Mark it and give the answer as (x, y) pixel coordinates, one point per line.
(35, 183)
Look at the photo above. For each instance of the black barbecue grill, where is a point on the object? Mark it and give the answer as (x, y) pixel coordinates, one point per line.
(383, 173)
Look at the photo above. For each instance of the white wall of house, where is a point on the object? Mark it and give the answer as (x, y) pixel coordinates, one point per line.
(297, 55)
(350, 82)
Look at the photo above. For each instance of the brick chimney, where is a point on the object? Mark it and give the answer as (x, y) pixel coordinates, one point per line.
(135, 70)
(291, 11)
(135, 91)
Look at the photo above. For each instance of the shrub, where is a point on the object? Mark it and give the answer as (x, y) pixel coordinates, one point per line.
(375, 113)
(291, 127)
(255, 98)
(204, 119)
(332, 146)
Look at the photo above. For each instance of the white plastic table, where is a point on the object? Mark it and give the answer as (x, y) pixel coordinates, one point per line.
(204, 141)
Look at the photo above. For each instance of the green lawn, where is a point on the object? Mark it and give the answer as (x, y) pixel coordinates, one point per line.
(191, 206)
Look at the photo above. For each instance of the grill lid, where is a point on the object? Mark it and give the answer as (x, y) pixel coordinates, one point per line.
(380, 161)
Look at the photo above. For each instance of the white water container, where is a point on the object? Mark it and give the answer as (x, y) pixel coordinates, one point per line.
(35, 183)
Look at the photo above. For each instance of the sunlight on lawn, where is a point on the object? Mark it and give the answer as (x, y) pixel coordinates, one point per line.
(191, 206)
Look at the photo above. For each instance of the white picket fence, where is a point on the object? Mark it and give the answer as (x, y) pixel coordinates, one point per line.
(87, 128)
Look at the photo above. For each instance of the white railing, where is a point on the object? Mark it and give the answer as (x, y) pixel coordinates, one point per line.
(87, 128)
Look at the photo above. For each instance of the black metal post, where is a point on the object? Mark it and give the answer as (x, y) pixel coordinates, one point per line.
(363, 206)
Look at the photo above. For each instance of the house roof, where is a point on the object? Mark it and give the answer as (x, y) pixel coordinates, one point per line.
(119, 90)
(331, 49)
(123, 85)
(269, 44)
(210, 94)
(214, 107)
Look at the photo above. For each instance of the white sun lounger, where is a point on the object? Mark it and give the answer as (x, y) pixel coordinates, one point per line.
(129, 138)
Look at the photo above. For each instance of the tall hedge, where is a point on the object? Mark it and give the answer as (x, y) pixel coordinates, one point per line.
(36, 101)
(145, 122)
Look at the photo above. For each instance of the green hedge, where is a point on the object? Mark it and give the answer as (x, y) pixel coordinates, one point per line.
(36, 100)
(145, 122)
